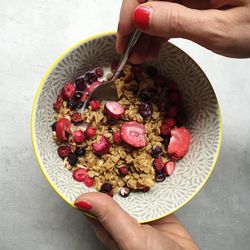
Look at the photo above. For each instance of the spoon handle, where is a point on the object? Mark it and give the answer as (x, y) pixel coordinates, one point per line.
(133, 39)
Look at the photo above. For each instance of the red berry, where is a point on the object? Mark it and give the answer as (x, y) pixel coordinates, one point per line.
(99, 72)
(76, 118)
(160, 81)
(167, 125)
(63, 151)
(172, 111)
(63, 129)
(114, 110)
(134, 134)
(114, 66)
(158, 164)
(90, 132)
(179, 142)
(174, 96)
(79, 174)
(94, 104)
(102, 146)
(58, 103)
(68, 91)
(123, 170)
(84, 96)
(169, 167)
(94, 85)
(129, 78)
(117, 137)
(78, 136)
(80, 84)
(88, 181)
(145, 189)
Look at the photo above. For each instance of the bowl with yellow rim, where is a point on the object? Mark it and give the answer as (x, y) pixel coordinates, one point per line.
(204, 123)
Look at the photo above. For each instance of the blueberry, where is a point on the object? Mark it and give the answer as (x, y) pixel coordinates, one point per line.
(78, 95)
(106, 188)
(53, 126)
(72, 159)
(160, 177)
(80, 84)
(124, 192)
(156, 151)
(90, 77)
(145, 109)
(151, 71)
(80, 105)
(144, 97)
(72, 104)
(80, 151)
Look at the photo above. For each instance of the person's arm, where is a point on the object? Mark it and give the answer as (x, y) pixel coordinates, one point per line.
(220, 26)
(118, 230)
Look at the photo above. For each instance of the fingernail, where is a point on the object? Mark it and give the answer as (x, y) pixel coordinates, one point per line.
(141, 16)
(84, 205)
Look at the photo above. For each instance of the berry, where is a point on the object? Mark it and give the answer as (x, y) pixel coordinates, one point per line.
(76, 118)
(117, 137)
(80, 151)
(53, 126)
(169, 168)
(160, 81)
(94, 85)
(88, 181)
(102, 146)
(107, 189)
(94, 104)
(84, 96)
(68, 91)
(90, 77)
(174, 97)
(78, 95)
(145, 189)
(123, 170)
(80, 84)
(63, 129)
(151, 71)
(114, 110)
(124, 192)
(78, 136)
(63, 151)
(72, 104)
(114, 66)
(167, 125)
(134, 134)
(90, 132)
(172, 111)
(79, 174)
(156, 151)
(58, 103)
(99, 72)
(179, 142)
(145, 109)
(72, 159)
(80, 105)
(160, 177)
(158, 164)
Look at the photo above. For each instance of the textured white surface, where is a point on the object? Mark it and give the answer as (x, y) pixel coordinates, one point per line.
(32, 35)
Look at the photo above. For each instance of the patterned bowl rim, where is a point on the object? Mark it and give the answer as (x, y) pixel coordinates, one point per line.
(33, 136)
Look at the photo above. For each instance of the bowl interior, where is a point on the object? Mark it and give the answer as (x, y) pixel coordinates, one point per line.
(204, 123)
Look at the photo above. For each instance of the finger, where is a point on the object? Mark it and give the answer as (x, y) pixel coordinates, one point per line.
(119, 224)
(207, 27)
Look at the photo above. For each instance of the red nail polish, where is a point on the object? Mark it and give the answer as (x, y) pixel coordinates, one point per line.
(84, 205)
(141, 17)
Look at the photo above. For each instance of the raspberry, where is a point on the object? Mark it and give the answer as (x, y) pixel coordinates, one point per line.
(99, 72)
(90, 132)
(78, 136)
(102, 146)
(58, 103)
(94, 104)
(158, 164)
(76, 118)
(117, 137)
(134, 134)
(167, 125)
(63, 151)
(68, 91)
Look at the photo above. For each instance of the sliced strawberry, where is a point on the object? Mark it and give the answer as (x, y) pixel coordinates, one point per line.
(88, 181)
(90, 132)
(114, 110)
(68, 91)
(94, 104)
(134, 134)
(63, 151)
(78, 136)
(102, 146)
(169, 168)
(58, 103)
(179, 142)
(158, 164)
(117, 137)
(94, 85)
(79, 174)
(63, 129)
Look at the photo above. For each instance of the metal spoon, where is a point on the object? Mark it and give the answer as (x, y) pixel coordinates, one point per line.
(107, 90)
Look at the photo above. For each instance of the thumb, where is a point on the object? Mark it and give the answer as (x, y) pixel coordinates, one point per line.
(172, 20)
(119, 224)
